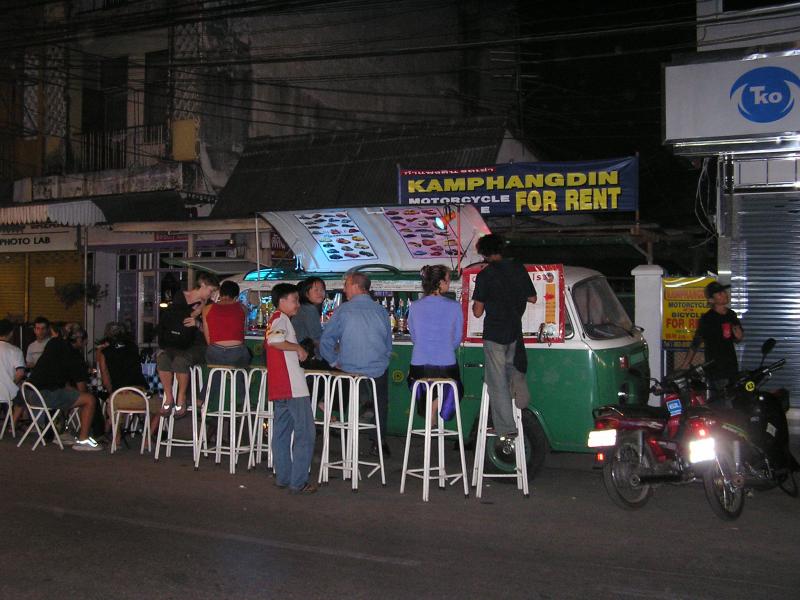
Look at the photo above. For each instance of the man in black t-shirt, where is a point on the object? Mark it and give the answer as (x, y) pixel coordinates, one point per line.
(718, 330)
(502, 290)
(61, 376)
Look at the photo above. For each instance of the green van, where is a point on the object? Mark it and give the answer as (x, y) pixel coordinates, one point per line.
(567, 379)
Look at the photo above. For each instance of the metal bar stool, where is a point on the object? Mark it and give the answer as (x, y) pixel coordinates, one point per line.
(263, 417)
(166, 424)
(231, 380)
(434, 386)
(521, 467)
(352, 427)
(320, 381)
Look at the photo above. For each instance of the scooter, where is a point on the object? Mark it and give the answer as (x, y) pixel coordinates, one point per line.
(640, 446)
(747, 446)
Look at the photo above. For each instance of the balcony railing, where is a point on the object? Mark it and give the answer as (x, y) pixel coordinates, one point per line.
(122, 149)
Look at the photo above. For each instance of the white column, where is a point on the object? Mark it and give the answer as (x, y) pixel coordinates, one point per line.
(649, 299)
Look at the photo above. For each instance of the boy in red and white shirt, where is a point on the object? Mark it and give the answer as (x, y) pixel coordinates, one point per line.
(287, 388)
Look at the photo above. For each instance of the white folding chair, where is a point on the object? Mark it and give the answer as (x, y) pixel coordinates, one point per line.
(8, 421)
(129, 412)
(38, 411)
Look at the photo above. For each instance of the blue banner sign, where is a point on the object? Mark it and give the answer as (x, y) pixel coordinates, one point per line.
(528, 188)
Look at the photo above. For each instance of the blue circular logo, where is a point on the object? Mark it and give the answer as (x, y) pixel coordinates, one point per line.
(763, 95)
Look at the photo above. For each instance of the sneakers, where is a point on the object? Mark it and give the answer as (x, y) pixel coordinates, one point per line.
(87, 445)
(67, 439)
(309, 488)
(507, 444)
(373, 449)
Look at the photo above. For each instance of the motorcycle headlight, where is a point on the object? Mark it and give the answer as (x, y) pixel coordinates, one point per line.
(702, 450)
(601, 438)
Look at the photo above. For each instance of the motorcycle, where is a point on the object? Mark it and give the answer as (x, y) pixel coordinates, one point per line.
(640, 446)
(747, 446)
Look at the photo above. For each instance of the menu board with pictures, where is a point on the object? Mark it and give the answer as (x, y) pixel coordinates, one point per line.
(337, 234)
(543, 321)
(416, 226)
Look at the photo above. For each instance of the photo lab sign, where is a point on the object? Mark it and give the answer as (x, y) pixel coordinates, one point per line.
(38, 238)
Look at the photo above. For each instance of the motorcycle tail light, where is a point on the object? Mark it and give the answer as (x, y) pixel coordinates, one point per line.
(698, 427)
(600, 457)
(623, 362)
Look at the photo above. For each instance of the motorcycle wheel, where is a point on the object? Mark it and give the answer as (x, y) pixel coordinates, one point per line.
(619, 471)
(726, 500)
(789, 484)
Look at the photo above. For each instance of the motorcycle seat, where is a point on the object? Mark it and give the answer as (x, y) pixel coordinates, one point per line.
(645, 411)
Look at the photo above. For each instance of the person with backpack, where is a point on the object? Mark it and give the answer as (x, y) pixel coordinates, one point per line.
(178, 333)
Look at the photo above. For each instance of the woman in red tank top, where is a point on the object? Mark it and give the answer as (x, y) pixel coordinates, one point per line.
(224, 329)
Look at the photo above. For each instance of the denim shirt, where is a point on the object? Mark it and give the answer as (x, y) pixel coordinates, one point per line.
(358, 338)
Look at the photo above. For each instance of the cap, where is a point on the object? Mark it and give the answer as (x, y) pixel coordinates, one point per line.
(715, 287)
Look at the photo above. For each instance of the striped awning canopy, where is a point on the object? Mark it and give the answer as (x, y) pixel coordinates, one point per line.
(73, 212)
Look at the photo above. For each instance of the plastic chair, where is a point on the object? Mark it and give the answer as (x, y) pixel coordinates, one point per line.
(129, 412)
(39, 410)
(434, 386)
(521, 467)
(351, 426)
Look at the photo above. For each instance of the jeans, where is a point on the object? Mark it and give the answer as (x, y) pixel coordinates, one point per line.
(227, 356)
(498, 370)
(292, 461)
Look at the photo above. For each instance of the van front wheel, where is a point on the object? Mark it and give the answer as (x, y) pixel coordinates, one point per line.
(499, 459)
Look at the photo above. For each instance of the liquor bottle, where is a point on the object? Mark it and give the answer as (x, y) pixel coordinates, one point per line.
(401, 317)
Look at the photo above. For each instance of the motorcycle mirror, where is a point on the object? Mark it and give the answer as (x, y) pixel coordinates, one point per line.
(768, 345)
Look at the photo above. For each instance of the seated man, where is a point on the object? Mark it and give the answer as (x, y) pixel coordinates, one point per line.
(12, 366)
(41, 329)
(178, 339)
(61, 376)
(118, 362)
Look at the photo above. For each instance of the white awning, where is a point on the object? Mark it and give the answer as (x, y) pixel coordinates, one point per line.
(74, 212)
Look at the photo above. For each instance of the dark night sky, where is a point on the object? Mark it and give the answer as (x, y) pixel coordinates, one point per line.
(600, 96)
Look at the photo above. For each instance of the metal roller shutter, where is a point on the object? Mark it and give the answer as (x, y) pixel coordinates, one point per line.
(765, 273)
(12, 286)
(64, 267)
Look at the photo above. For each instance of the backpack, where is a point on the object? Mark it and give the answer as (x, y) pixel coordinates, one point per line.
(172, 333)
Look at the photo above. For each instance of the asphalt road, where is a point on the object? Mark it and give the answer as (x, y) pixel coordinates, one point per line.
(91, 525)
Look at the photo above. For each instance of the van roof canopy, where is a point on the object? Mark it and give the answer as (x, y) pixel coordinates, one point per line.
(404, 237)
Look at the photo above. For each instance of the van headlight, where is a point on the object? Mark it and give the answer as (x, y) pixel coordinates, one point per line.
(702, 450)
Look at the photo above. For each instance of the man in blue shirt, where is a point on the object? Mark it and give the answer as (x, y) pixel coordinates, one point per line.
(358, 339)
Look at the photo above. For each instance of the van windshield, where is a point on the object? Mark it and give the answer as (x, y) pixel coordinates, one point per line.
(600, 311)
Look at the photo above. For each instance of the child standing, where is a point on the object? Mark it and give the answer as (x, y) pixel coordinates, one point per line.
(287, 388)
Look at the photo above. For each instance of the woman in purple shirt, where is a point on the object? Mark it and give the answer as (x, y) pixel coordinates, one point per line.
(435, 323)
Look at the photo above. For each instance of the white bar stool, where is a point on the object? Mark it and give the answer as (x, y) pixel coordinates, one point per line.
(434, 386)
(129, 412)
(230, 407)
(521, 467)
(320, 382)
(352, 426)
(263, 417)
(166, 424)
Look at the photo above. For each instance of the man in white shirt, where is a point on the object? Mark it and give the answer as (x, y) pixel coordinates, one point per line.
(12, 364)
(41, 329)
